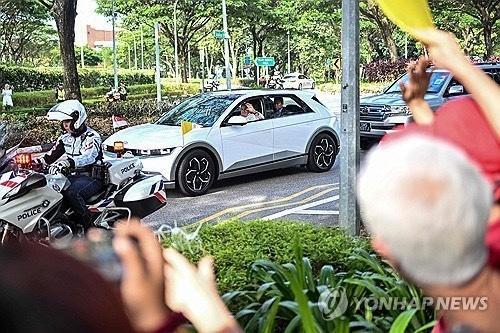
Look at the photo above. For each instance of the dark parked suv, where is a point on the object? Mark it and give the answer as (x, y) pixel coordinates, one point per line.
(379, 114)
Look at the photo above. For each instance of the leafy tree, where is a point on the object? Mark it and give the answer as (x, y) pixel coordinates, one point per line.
(64, 13)
(192, 17)
(486, 12)
(90, 56)
(24, 31)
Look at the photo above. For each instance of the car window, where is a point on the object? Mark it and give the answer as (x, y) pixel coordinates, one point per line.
(454, 83)
(257, 104)
(289, 77)
(436, 83)
(292, 105)
(203, 109)
(302, 77)
(494, 74)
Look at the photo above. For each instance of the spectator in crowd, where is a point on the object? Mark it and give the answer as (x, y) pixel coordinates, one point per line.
(154, 283)
(7, 97)
(60, 93)
(123, 91)
(427, 208)
(44, 290)
(471, 123)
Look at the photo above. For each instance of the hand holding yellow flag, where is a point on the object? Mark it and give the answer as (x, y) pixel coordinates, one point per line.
(412, 16)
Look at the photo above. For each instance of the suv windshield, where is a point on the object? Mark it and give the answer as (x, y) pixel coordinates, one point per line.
(202, 109)
(435, 84)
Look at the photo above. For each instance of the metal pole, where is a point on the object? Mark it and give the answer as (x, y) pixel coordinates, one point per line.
(202, 61)
(175, 44)
(142, 48)
(129, 57)
(189, 62)
(158, 72)
(349, 117)
(226, 45)
(135, 52)
(115, 71)
(406, 46)
(82, 57)
(288, 64)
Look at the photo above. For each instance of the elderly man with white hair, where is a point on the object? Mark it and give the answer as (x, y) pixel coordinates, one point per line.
(427, 207)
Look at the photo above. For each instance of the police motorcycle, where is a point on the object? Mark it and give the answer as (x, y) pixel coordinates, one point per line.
(31, 200)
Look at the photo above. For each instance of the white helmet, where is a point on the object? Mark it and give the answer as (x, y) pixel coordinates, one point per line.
(69, 110)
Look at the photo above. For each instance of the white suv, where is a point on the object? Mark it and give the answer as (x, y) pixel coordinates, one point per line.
(223, 143)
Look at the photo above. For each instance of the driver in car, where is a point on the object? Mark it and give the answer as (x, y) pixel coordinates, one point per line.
(78, 149)
(249, 112)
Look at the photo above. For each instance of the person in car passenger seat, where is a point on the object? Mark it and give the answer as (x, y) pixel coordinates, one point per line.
(278, 107)
(78, 149)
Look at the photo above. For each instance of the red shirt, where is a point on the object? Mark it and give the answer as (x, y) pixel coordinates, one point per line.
(462, 123)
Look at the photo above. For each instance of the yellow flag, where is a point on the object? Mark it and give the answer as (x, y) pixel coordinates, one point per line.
(413, 16)
(186, 126)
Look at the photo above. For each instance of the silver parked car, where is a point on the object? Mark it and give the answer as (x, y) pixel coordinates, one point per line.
(380, 114)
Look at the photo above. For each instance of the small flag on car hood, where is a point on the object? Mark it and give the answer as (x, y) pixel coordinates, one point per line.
(118, 121)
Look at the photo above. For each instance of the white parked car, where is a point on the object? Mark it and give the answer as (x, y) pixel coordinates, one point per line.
(225, 144)
(297, 81)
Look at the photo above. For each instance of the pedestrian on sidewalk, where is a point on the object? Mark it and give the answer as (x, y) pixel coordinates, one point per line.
(7, 97)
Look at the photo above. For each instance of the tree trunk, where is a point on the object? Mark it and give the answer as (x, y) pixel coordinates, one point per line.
(488, 41)
(183, 61)
(64, 13)
(234, 68)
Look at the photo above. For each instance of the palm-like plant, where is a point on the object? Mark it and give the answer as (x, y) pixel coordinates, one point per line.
(290, 298)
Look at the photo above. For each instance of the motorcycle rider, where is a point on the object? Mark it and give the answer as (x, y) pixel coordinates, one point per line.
(78, 149)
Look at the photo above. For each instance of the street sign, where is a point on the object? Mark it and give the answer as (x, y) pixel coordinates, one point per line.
(265, 61)
(248, 60)
(219, 34)
(337, 64)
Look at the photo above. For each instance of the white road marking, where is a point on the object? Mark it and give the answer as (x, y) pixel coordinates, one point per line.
(300, 208)
(317, 212)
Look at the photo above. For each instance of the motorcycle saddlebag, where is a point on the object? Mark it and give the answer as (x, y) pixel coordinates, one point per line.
(143, 197)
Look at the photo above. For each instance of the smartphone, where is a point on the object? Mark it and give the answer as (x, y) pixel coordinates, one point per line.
(96, 250)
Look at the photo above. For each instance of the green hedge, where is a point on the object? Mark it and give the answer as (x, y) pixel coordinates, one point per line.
(235, 245)
(29, 79)
(91, 96)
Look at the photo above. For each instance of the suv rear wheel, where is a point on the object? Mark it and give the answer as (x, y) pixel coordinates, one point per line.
(322, 153)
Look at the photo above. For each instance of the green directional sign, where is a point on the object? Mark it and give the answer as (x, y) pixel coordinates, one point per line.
(248, 60)
(265, 61)
(219, 34)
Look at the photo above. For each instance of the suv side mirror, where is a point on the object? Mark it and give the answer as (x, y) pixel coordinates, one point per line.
(456, 90)
(237, 120)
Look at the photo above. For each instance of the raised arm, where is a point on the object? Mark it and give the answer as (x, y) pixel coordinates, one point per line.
(446, 53)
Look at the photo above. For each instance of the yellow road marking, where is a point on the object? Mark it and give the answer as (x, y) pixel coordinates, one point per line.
(236, 208)
(306, 200)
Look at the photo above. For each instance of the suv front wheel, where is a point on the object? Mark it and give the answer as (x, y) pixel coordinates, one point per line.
(196, 173)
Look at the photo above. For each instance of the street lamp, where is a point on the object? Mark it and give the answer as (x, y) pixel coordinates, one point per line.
(288, 64)
(226, 45)
(115, 72)
(175, 44)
